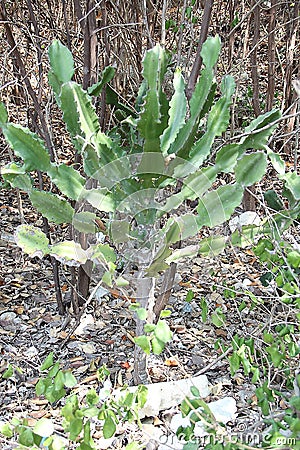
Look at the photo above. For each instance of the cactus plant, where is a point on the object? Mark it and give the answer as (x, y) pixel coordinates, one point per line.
(127, 178)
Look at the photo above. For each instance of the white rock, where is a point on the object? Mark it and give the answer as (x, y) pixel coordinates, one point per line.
(166, 395)
(31, 352)
(224, 410)
(246, 218)
(86, 321)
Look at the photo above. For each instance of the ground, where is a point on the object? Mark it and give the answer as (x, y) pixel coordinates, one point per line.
(31, 328)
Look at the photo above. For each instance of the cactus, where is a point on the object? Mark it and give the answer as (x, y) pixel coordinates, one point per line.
(131, 173)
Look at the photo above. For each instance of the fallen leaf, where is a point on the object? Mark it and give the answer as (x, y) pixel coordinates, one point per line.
(171, 362)
(220, 332)
(125, 365)
(157, 421)
(35, 416)
(39, 401)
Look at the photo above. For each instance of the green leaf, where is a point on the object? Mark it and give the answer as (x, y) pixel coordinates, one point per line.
(47, 363)
(84, 221)
(212, 245)
(144, 343)
(250, 168)
(157, 345)
(107, 278)
(119, 231)
(277, 162)
(185, 139)
(103, 253)
(79, 115)
(189, 296)
(59, 380)
(292, 182)
(101, 199)
(153, 118)
(75, 428)
(141, 313)
(44, 427)
(218, 318)
(188, 251)
(133, 446)
(92, 397)
(255, 376)
(226, 157)
(217, 123)
(61, 61)
(8, 372)
(3, 115)
(293, 258)
(26, 437)
(259, 130)
(162, 331)
(177, 113)
(276, 355)
(6, 429)
(121, 282)
(54, 208)
(112, 98)
(54, 370)
(28, 146)
(273, 201)
(105, 77)
(165, 313)
(32, 241)
(180, 229)
(210, 51)
(41, 386)
(195, 185)
(217, 206)
(17, 177)
(69, 252)
(204, 310)
(68, 180)
(234, 362)
(109, 427)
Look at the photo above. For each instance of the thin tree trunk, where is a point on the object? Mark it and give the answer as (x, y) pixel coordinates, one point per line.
(291, 64)
(271, 56)
(90, 73)
(165, 291)
(198, 59)
(253, 59)
(18, 62)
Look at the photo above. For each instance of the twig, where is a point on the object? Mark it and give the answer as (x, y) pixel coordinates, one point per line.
(213, 363)
(80, 314)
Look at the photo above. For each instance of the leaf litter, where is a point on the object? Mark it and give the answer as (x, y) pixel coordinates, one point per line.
(30, 328)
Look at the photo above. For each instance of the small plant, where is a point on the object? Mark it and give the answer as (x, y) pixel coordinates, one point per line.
(283, 262)
(213, 435)
(77, 415)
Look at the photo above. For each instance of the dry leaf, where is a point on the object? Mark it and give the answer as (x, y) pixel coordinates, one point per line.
(216, 389)
(125, 365)
(35, 416)
(220, 332)
(19, 309)
(171, 362)
(157, 421)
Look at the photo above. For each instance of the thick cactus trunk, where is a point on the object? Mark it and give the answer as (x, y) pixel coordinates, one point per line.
(145, 297)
